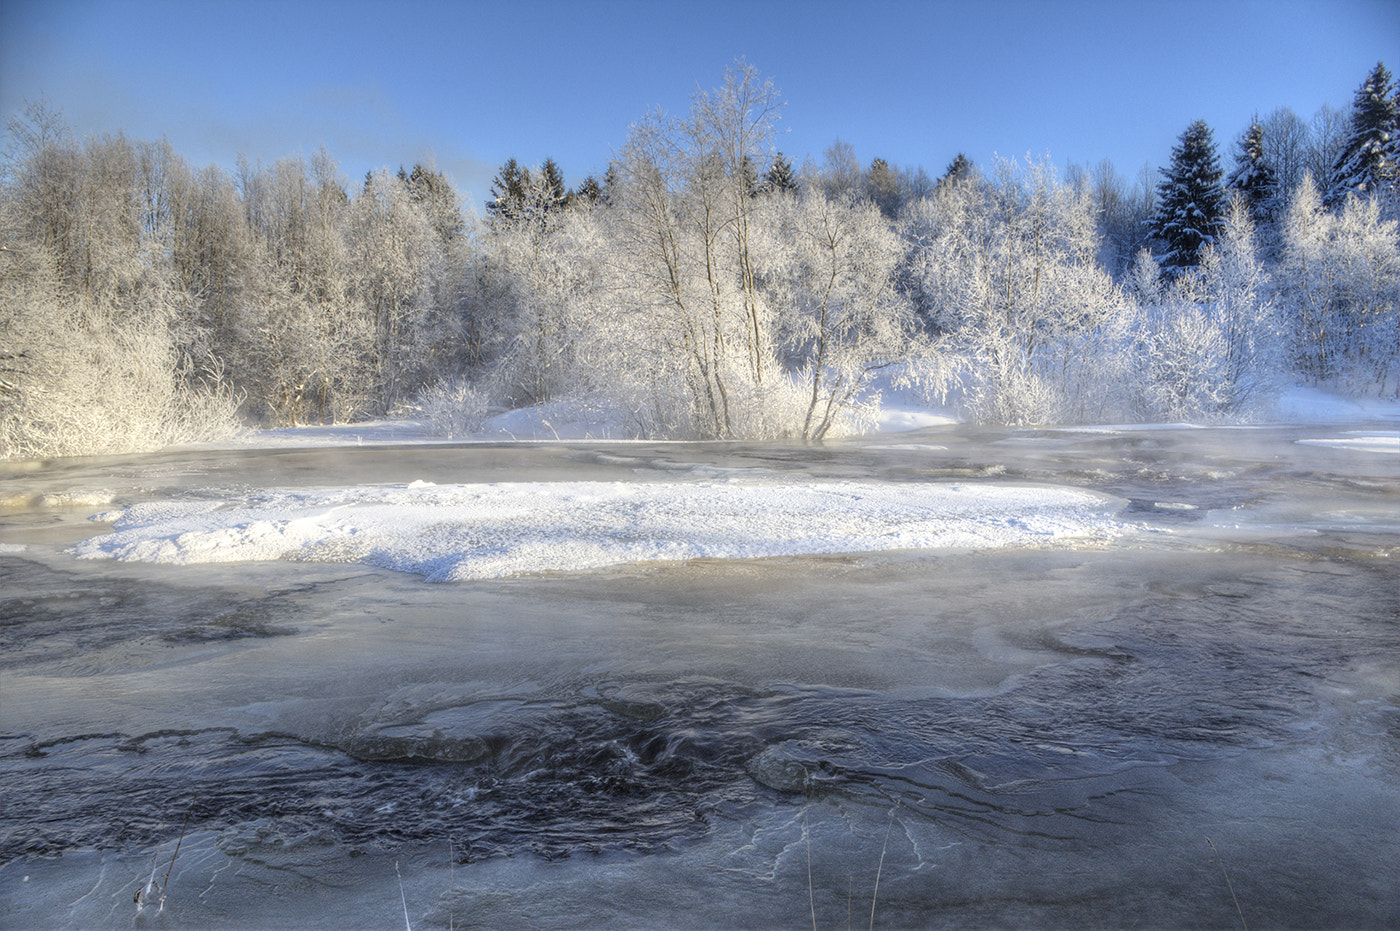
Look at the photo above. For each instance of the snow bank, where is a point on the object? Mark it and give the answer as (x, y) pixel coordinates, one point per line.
(1313, 405)
(460, 532)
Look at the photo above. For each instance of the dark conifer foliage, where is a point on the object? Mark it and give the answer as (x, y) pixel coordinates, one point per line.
(1253, 178)
(882, 187)
(610, 183)
(508, 191)
(748, 178)
(552, 179)
(780, 178)
(1190, 212)
(959, 168)
(589, 191)
(1368, 164)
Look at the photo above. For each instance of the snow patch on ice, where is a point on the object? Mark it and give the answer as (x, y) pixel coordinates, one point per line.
(460, 532)
(1360, 440)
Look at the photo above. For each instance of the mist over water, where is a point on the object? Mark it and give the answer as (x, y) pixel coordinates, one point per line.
(1189, 722)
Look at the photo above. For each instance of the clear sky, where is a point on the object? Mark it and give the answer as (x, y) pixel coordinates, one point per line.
(470, 84)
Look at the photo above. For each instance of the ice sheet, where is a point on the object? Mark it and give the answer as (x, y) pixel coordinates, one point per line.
(477, 531)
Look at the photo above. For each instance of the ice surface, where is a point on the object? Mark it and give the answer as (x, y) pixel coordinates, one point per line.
(1361, 440)
(477, 531)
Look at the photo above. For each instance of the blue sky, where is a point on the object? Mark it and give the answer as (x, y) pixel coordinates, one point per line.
(469, 84)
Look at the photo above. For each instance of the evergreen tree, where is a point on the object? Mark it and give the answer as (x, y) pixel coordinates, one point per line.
(507, 191)
(779, 177)
(1253, 177)
(554, 192)
(611, 182)
(882, 187)
(959, 168)
(589, 191)
(434, 194)
(1368, 163)
(748, 178)
(1190, 212)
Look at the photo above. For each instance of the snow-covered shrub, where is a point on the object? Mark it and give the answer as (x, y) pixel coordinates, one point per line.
(1180, 365)
(452, 407)
(114, 391)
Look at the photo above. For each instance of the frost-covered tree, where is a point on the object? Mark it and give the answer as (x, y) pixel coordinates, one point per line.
(1179, 369)
(1328, 131)
(830, 267)
(1370, 159)
(1207, 346)
(96, 341)
(589, 192)
(393, 249)
(1340, 290)
(1238, 291)
(436, 197)
(552, 185)
(542, 264)
(914, 183)
(1010, 267)
(1122, 210)
(1191, 203)
(840, 174)
(1284, 145)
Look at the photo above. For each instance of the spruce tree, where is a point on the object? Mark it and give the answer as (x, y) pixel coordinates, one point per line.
(508, 191)
(882, 187)
(1368, 164)
(589, 191)
(779, 178)
(554, 191)
(958, 169)
(612, 178)
(434, 194)
(1191, 203)
(1253, 178)
(748, 177)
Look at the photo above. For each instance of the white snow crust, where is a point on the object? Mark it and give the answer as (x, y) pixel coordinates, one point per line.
(1368, 441)
(485, 531)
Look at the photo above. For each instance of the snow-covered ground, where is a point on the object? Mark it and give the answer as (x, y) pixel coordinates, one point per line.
(901, 412)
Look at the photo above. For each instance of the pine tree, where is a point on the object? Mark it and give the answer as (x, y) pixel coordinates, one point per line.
(1253, 177)
(1190, 211)
(1368, 164)
(779, 178)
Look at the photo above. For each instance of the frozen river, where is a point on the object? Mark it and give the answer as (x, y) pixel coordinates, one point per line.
(952, 678)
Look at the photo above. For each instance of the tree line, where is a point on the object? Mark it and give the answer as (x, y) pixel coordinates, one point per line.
(703, 287)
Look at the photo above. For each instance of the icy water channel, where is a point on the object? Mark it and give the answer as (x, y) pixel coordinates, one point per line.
(1184, 713)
